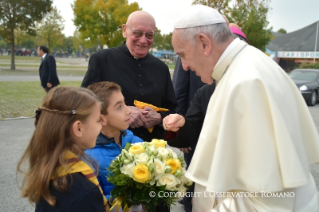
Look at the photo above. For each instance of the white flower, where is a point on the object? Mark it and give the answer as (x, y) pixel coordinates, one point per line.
(128, 155)
(172, 152)
(169, 180)
(183, 170)
(152, 150)
(181, 191)
(128, 169)
(138, 143)
(162, 152)
(159, 166)
(142, 158)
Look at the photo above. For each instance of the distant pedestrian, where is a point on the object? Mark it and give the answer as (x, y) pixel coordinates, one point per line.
(47, 70)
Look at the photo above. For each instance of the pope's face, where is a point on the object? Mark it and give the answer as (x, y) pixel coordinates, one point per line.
(192, 57)
(139, 46)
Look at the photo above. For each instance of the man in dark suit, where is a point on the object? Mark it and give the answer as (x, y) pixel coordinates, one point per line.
(185, 83)
(47, 70)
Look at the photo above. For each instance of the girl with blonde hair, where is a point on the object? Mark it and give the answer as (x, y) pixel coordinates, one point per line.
(58, 176)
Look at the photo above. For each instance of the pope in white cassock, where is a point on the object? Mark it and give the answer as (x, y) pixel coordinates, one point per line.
(258, 137)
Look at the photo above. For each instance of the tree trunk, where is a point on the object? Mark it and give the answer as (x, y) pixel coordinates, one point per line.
(13, 67)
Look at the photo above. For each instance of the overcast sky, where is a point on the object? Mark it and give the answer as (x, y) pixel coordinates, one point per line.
(288, 14)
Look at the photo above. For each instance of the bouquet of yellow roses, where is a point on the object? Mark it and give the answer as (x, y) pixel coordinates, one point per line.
(147, 173)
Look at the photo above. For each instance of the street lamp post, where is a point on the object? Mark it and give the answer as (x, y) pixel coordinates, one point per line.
(314, 58)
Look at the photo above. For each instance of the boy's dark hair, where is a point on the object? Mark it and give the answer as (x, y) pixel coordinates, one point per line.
(103, 90)
(44, 49)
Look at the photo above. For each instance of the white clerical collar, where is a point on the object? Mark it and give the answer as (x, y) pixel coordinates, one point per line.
(227, 50)
(227, 57)
(44, 55)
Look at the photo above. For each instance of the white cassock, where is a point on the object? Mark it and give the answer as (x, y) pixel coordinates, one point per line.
(258, 136)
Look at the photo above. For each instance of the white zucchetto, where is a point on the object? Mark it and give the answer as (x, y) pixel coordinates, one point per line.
(198, 15)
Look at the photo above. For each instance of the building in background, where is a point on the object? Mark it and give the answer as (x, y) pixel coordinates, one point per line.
(293, 48)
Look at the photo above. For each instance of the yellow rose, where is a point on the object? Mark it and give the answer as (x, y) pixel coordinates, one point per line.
(174, 163)
(136, 149)
(141, 173)
(159, 143)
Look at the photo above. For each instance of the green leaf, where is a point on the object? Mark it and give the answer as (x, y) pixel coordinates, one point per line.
(127, 146)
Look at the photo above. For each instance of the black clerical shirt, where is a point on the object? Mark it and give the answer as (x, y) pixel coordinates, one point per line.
(145, 79)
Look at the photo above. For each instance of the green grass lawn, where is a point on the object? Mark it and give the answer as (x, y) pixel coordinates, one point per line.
(171, 66)
(22, 98)
(20, 58)
(37, 66)
(35, 71)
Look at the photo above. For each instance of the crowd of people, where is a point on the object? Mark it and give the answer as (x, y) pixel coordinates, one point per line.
(239, 119)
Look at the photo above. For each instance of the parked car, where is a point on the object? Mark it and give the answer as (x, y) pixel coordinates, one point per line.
(307, 81)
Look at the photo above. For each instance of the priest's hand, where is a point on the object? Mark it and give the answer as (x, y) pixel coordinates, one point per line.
(152, 117)
(137, 118)
(173, 122)
(185, 150)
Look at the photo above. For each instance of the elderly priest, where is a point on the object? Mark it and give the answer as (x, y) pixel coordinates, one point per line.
(258, 138)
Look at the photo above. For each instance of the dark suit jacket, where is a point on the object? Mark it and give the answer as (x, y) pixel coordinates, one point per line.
(48, 72)
(185, 83)
(188, 134)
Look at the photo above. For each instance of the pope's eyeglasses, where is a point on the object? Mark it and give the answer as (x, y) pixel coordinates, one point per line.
(139, 33)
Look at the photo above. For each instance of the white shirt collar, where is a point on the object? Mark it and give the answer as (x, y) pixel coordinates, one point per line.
(227, 50)
(44, 55)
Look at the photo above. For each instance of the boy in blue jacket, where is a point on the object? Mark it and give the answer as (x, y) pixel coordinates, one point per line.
(115, 120)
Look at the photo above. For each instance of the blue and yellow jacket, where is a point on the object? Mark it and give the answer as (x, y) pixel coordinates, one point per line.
(105, 151)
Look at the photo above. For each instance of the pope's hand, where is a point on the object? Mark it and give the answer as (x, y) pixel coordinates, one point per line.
(137, 118)
(152, 117)
(173, 122)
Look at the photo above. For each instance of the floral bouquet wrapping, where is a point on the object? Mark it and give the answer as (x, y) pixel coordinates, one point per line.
(147, 173)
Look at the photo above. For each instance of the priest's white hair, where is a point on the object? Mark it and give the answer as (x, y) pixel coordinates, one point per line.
(218, 32)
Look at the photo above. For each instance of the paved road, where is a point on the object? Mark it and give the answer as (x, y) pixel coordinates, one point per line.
(14, 137)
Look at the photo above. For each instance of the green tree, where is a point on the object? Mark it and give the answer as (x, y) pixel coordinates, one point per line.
(50, 28)
(21, 37)
(167, 41)
(102, 19)
(3, 43)
(158, 39)
(68, 43)
(79, 43)
(221, 5)
(250, 15)
(20, 14)
(28, 43)
(282, 31)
